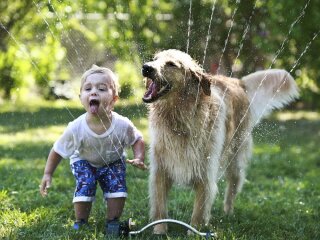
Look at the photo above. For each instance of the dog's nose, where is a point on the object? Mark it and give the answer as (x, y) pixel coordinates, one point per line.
(147, 70)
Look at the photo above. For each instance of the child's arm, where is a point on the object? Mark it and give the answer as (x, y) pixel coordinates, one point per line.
(51, 165)
(138, 152)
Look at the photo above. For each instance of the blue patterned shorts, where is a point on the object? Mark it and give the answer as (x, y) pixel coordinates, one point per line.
(111, 178)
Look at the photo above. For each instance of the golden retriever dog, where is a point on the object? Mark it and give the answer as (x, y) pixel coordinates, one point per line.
(200, 128)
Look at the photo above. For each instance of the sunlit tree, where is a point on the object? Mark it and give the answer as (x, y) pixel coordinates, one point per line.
(57, 39)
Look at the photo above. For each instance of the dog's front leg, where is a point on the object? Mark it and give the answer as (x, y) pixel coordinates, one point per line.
(205, 192)
(159, 186)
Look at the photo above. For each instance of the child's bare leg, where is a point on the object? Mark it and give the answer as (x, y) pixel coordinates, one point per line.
(115, 207)
(82, 210)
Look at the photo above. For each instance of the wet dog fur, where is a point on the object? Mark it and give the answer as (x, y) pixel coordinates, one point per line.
(200, 128)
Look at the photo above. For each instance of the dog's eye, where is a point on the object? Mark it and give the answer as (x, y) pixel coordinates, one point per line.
(171, 64)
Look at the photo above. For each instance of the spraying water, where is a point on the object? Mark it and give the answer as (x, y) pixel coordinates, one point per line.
(189, 26)
(245, 32)
(264, 78)
(22, 49)
(208, 34)
(51, 32)
(80, 59)
(228, 35)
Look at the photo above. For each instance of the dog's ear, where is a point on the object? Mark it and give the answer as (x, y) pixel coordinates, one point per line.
(204, 82)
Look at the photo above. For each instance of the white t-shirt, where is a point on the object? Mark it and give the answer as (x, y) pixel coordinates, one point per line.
(79, 142)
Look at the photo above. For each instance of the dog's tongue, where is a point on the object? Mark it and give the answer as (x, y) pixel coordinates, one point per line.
(152, 91)
(94, 108)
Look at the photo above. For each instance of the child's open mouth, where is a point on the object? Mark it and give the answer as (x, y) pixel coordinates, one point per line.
(94, 106)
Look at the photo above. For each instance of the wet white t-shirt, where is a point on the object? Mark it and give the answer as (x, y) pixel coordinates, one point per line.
(79, 142)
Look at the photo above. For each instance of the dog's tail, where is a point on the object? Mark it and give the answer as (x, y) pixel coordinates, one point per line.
(269, 89)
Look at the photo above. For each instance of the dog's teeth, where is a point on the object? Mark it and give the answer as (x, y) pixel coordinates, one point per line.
(147, 81)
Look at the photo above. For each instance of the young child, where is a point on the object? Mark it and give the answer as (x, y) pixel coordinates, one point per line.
(95, 142)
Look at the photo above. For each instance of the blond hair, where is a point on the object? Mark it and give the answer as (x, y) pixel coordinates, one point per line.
(106, 72)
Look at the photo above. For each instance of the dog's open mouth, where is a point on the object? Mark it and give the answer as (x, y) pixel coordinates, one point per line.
(94, 106)
(155, 90)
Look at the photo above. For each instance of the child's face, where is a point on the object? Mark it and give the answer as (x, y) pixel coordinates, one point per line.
(97, 94)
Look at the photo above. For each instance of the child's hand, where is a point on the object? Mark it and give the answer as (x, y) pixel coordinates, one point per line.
(45, 184)
(137, 163)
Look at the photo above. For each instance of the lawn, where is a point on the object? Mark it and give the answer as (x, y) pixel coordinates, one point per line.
(280, 199)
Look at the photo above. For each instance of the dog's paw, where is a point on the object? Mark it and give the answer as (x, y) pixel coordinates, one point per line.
(160, 229)
(228, 209)
(190, 233)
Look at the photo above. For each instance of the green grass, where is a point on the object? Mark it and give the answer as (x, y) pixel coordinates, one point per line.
(280, 199)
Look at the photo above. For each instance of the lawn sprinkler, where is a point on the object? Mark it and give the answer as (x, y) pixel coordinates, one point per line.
(124, 229)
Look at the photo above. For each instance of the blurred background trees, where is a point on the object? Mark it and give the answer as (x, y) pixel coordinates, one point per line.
(45, 45)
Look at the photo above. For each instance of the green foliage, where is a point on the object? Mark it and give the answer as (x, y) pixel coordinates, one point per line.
(242, 36)
(279, 199)
(47, 59)
(30, 52)
(309, 87)
(262, 34)
(129, 79)
(6, 80)
(14, 71)
(136, 33)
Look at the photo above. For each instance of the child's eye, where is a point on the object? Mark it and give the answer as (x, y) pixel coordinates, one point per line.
(102, 87)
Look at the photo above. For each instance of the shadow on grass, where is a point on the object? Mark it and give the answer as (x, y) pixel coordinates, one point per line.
(24, 152)
(19, 120)
(45, 116)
